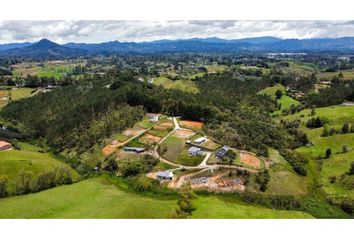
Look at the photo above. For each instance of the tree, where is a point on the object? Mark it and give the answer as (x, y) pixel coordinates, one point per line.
(328, 153)
(24, 184)
(184, 204)
(262, 179)
(278, 94)
(345, 149)
(111, 165)
(3, 186)
(351, 170)
(313, 112)
(345, 128)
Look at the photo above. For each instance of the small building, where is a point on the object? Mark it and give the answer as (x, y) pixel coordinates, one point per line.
(222, 151)
(195, 151)
(114, 142)
(5, 145)
(154, 118)
(200, 140)
(134, 149)
(165, 175)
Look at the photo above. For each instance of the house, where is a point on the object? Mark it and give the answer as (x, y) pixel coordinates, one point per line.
(200, 140)
(195, 151)
(5, 145)
(114, 142)
(222, 151)
(154, 118)
(165, 175)
(134, 149)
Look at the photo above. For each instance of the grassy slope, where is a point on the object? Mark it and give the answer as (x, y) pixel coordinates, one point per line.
(13, 161)
(96, 198)
(283, 180)
(348, 75)
(339, 162)
(285, 100)
(183, 85)
(16, 94)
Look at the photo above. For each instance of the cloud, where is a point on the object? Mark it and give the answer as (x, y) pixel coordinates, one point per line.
(101, 31)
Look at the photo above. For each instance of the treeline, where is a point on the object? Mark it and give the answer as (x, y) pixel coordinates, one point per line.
(336, 94)
(25, 182)
(79, 115)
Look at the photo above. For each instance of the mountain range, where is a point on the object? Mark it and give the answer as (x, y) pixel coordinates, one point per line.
(47, 49)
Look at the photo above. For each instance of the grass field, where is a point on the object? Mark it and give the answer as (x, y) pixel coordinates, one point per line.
(285, 100)
(13, 161)
(173, 146)
(56, 69)
(97, 198)
(283, 179)
(214, 207)
(183, 85)
(300, 68)
(16, 94)
(348, 75)
(339, 162)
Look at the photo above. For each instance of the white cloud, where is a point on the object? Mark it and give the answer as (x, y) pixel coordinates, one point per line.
(101, 31)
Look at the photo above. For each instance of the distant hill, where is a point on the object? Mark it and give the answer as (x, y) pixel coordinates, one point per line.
(8, 46)
(48, 49)
(44, 49)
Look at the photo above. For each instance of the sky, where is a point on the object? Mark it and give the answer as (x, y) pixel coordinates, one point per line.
(137, 31)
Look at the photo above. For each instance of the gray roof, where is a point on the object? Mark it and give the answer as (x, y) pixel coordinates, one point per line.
(194, 149)
(164, 174)
(139, 149)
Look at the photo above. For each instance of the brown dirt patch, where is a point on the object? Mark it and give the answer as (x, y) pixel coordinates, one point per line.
(149, 138)
(183, 133)
(130, 132)
(192, 124)
(3, 94)
(250, 160)
(109, 149)
(164, 126)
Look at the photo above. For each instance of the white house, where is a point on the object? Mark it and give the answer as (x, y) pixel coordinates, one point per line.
(165, 175)
(200, 140)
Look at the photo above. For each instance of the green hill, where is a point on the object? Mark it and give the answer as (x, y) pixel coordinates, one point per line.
(97, 198)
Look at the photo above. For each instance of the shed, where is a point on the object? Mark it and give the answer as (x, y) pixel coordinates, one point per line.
(5, 145)
(134, 149)
(165, 175)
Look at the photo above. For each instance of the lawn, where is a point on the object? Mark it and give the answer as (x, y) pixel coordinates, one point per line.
(285, 100)
(217, 207)
(348, 75)
(13, 161)
(339, 162)
(98, 198)
(174, 147)
(55, 69)
(283, 179)
(183, 85)
(300, 68)
(16, 94)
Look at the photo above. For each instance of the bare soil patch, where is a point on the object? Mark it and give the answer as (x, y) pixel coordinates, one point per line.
(149, 138)
(130, 132)
(183, 133)
(163, 126)
(250, 160)
(192, 124)
(109, 149)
